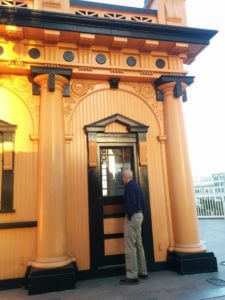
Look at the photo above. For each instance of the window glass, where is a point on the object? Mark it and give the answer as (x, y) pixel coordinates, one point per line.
(113, 161)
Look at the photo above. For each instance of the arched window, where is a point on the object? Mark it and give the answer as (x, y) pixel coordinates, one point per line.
(7, 136)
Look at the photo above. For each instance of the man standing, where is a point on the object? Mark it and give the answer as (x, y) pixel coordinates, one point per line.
(134, 252)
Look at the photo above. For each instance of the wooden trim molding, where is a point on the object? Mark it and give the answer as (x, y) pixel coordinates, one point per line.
(92, 151)
(13, 225)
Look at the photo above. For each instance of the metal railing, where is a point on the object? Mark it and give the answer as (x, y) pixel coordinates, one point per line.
(210, 207)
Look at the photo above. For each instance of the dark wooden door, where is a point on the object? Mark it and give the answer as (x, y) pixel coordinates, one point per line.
(113, 160)
(106, 203)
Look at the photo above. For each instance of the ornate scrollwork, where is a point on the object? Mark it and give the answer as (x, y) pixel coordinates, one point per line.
(79, 89)
(147, 93)
(21, 86)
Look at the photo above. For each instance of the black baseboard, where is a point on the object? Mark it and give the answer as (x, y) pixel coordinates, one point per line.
(14, 283)
(117, 270)
(186, 263)
(102, 272)
(39, 281)
(159, 266)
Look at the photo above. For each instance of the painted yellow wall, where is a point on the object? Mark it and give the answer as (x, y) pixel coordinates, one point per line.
(133, 101)
(18, 246)
(86, 105)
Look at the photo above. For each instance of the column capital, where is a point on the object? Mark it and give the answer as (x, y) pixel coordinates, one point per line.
(51, 81)
(175, 84)
(51, 74)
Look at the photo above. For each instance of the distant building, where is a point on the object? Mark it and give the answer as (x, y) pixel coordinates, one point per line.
(210, 195)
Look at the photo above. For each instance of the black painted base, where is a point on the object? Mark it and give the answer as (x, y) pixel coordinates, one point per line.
(117, 270)
(186, 263)
(7, 284)
(39, 281)
(102, 272)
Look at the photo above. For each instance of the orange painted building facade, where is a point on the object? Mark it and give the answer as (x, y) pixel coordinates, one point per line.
(87, 89)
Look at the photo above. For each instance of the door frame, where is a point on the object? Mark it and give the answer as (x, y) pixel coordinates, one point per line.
(116, 258)
(96, 136)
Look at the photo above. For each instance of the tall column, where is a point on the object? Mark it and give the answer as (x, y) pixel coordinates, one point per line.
(56, 267)
(51, 240)
(188, 253)
(185, 227)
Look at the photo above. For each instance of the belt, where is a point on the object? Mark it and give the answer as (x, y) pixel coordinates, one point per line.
(136, 212)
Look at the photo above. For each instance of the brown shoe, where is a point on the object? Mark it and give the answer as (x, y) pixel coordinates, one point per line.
(129, 281)
(143, 276)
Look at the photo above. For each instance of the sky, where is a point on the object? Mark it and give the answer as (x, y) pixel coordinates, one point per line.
(204, 113)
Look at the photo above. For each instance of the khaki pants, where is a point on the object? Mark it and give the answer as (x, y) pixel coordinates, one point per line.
(134, 252)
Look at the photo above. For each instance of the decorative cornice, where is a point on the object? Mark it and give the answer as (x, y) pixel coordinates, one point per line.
(178, 89)
(132, 125)
(121, 28)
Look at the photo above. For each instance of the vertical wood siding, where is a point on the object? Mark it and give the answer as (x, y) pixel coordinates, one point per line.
(94, 107)
(18, 246)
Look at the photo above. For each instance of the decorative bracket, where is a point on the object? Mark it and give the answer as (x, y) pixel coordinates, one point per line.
(114, 83)
(178, 90)
(67, 73)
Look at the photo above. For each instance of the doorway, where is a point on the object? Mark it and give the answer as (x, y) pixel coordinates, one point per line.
(109, 154)
(112, 161)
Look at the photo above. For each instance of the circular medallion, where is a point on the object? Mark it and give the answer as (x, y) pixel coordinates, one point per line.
(34, 53)
(79, 88)
(160, 63)
(101, 59)
(1, 50)
(68, 56)
(147, 91)
(131, 61)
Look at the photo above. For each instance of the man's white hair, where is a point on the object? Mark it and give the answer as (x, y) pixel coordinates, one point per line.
(127, 174)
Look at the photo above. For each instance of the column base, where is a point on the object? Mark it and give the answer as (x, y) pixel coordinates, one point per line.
(39, 281)
(186, 263)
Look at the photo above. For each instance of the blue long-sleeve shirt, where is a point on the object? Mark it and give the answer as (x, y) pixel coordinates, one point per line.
(133, 199)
